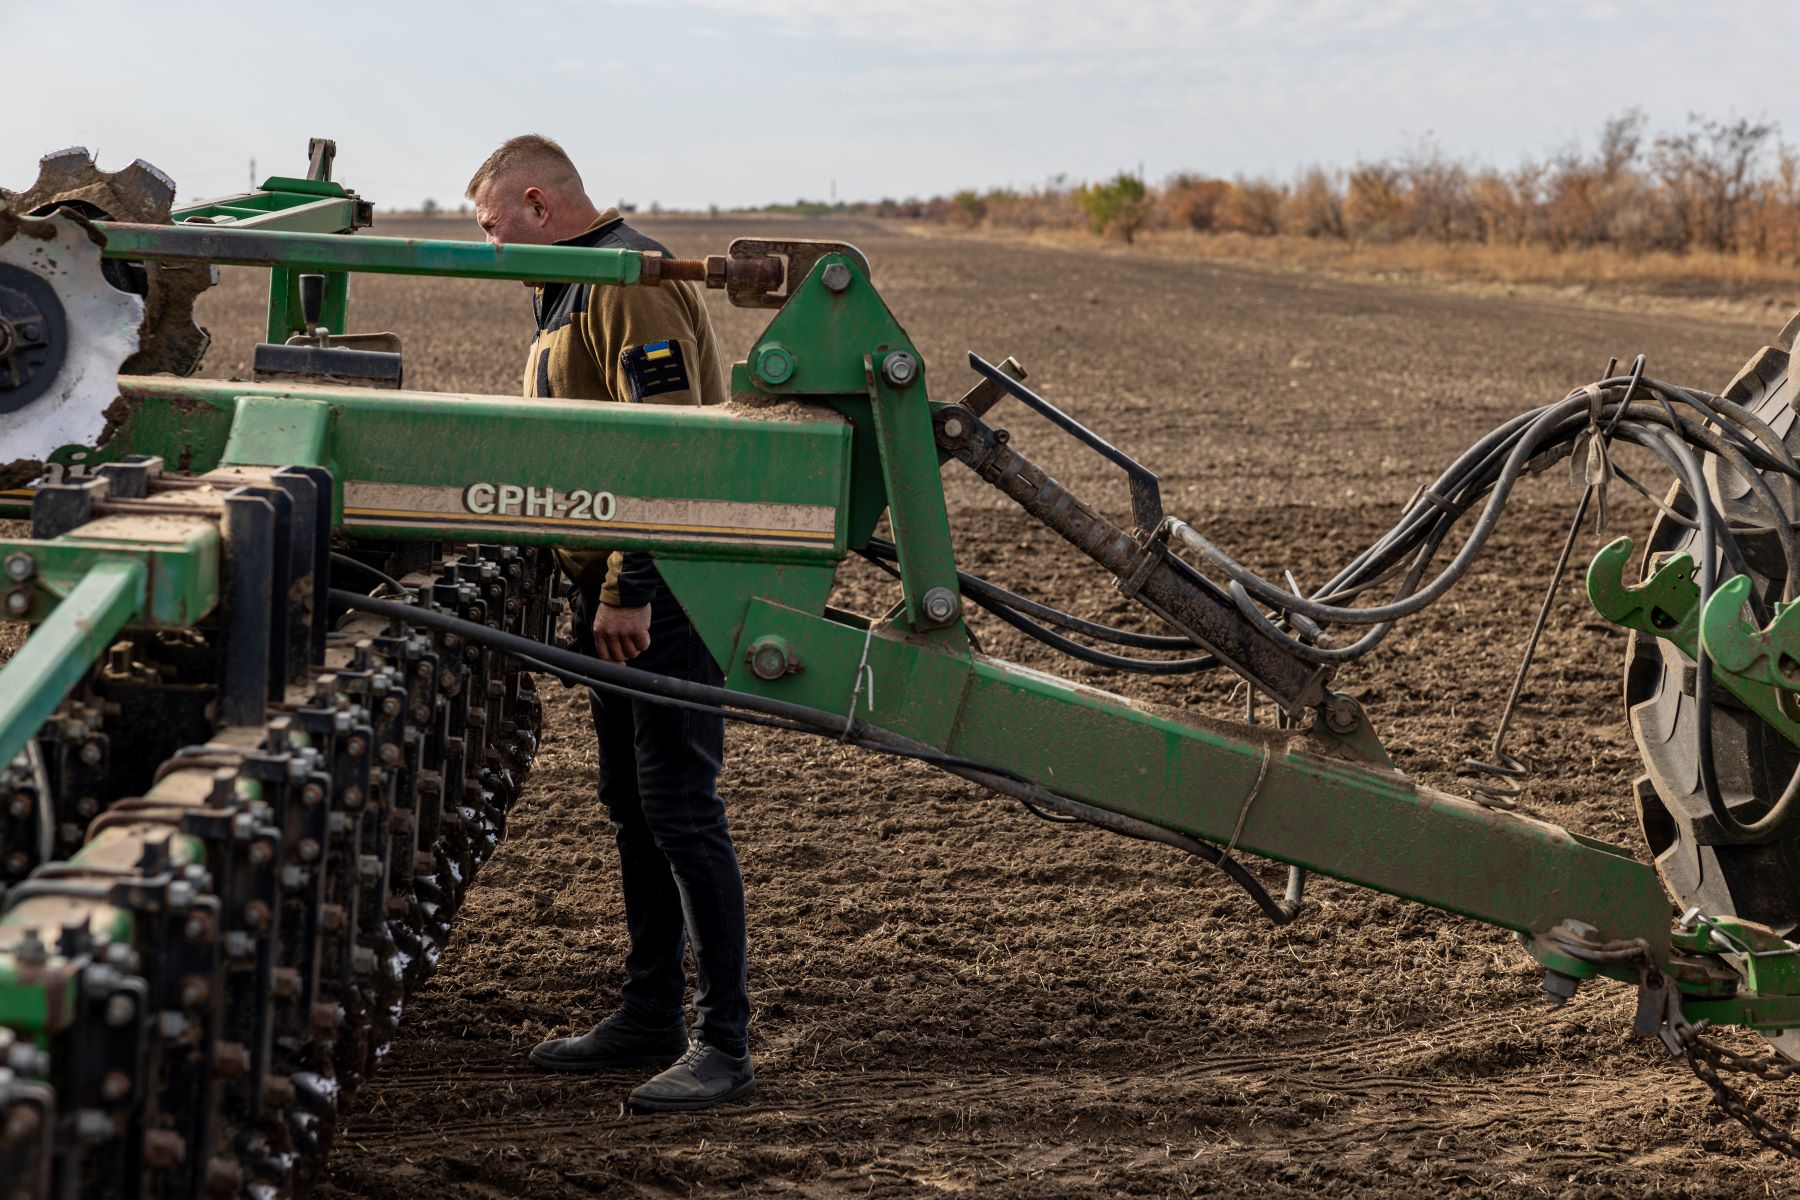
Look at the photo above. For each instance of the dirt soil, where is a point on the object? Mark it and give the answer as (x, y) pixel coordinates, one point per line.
(953, 997)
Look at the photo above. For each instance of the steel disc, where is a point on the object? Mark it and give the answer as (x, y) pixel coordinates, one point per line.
(67, 330)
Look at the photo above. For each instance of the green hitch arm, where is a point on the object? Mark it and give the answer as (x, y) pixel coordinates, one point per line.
(329, 252)
(57, 656)
(1667, 606)
(1662, 606)
(1769, 657)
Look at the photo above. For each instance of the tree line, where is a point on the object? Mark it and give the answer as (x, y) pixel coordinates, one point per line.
(1722, 186)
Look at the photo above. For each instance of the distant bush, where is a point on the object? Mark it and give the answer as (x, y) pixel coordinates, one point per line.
(1119, 206)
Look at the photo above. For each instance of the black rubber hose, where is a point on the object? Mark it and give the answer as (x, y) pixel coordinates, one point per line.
(1523, 450)
(612, 676)
(1770, 822)
(975, 585)
(347, 560)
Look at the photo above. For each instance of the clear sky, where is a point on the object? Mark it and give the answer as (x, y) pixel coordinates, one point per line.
(729, 102)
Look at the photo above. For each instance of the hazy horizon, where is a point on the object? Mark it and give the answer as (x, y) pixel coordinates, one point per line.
(742, 103)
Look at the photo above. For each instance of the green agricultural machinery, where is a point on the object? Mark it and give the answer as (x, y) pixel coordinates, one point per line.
(278, 697)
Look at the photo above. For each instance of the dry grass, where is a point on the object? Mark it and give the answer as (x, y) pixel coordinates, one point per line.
(1740, 284)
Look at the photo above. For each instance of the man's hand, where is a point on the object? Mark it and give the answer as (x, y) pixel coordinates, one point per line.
(621, 634)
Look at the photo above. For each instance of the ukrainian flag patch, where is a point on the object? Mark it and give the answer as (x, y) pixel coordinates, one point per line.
(654, 369)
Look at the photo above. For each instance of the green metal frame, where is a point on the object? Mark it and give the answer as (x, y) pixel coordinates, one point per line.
(760, 501)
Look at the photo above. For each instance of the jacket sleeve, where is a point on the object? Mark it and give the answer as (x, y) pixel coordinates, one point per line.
(644, 342)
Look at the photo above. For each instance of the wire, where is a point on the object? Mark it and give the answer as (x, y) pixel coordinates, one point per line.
(1004, 605)
(765, 710)
(346, 560)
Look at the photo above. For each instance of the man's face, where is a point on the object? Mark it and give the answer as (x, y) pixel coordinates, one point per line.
(511, 212)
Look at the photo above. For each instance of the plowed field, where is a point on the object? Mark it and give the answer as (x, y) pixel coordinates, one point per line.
(953, 997)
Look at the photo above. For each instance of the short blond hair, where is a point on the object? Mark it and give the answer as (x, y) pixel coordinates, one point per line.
(527, 150)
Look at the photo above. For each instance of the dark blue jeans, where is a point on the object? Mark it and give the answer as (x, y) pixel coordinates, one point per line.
(659, 770)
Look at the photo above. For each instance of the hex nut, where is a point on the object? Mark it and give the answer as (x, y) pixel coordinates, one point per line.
(18, 602)
(835, 277)
(940, 604)
(20, 567)
(900, 368)
(1559, 987)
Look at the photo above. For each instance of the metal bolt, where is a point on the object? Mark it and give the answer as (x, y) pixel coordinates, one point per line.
(171, 1025)
(775, 364)
(953, 427)
(900, 368)
(28, 1061)
(1559, 987)
(195, 992)
(307, 850)
(18, 602)
(115, 1086)
(940, 604)
(91, 753)
(93, 1126)
(164, 1149)
(19, 807)
(30, 950)
(835, 277)
(770, 658)
(1581, 931)
(20, 567)
(231, 1059)
(1342, 715)
(120, 1010)
(21, 1127)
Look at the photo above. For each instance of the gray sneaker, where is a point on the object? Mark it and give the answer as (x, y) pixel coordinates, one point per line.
(701, 1078)
(619, 1041)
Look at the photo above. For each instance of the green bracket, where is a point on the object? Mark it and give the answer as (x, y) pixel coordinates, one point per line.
(1667, 606)
(1768, 657)
(177, 568)
(1769, 964)
(277, 431)
(83, 589)
(1661, 606)
(71, 639)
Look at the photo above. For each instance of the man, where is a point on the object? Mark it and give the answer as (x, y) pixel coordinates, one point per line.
(659, 764)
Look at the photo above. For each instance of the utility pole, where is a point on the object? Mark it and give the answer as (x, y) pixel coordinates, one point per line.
(253, 173)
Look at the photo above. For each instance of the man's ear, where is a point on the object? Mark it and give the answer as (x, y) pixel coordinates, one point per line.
(539, 205)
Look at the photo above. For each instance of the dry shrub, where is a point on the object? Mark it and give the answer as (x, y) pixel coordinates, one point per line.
(1315, 206)
(1193, 202)
(1253, 206)
(1714, 188)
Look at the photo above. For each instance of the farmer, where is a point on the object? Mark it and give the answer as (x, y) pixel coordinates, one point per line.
(659, 764)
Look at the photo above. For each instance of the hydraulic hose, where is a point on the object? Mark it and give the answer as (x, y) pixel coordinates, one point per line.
(764, 710)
